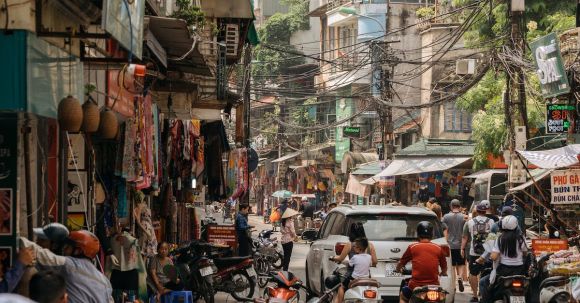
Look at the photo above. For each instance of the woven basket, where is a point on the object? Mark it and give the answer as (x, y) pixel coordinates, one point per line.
(91, 117)
(109, 125)
(70, 114)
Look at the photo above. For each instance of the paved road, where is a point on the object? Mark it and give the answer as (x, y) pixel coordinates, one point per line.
(297, 263)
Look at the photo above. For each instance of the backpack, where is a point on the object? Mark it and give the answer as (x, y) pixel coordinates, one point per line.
(480, 232)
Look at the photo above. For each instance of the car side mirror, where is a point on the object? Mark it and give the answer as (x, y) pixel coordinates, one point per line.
(310, 235)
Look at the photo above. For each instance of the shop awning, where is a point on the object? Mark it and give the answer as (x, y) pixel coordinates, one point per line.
(553, 158)
(485, 173)
(408, 166)
(356, 188)
(369, 181)
(544, 173)
(309, 196)
(352, 159)
(287, 157)
(369, 168)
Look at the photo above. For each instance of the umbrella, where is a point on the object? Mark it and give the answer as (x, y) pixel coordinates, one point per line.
(284, 194)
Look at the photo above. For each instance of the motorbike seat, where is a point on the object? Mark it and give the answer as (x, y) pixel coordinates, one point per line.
(554, 281)
(363, 282)
(226, 262)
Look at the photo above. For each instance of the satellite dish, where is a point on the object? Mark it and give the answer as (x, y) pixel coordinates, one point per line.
(253, 159)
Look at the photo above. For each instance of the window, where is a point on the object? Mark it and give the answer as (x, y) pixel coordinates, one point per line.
(338, 225)
(456, 120)
(325, 229)
(331, 42)
(387, 227)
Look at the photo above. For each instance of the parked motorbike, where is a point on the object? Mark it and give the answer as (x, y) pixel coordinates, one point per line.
(554, 290)
(236, 276)
(195, 269)
(266, 256)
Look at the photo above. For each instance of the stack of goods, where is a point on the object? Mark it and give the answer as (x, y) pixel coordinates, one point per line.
(565, 263)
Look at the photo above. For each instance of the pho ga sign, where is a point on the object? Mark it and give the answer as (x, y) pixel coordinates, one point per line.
(565, 186)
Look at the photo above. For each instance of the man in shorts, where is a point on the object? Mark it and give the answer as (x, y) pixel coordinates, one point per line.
(455, 220)
(477, 229)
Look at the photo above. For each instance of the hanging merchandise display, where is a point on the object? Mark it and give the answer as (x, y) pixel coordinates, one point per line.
(108, 125)
(70, 114)
(91, 116)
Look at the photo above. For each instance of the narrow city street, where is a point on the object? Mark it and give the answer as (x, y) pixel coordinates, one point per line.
(298, 262)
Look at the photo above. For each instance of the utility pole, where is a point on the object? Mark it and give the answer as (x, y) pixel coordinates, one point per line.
(246, 100)
(517, 128)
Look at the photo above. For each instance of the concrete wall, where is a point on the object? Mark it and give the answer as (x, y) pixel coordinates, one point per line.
(306, 41)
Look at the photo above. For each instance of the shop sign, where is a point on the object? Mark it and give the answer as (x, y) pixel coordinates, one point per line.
(565, 186)
(351, 132)
(559, 118)
(540, 246)
(222, 235)
(360, 200)
(550, 67)
(344, 110)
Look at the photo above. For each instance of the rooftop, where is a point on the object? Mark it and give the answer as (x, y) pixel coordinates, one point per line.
(439, 147)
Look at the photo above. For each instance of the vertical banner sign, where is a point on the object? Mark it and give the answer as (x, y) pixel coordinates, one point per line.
(565, 186)
(550, 66)
(559, 118)
(343, 111)
(8, 182)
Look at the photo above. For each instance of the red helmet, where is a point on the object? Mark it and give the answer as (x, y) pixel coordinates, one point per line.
(86, 241)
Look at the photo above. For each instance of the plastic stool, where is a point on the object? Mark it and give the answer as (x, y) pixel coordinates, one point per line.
(178, 297)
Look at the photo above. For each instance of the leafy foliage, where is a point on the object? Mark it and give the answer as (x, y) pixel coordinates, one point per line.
(193, 15)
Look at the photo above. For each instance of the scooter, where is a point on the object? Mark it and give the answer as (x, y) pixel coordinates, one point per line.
(285, 286)
(428, 294)
(511, 289)
(360, 290)
(553, 290)
(236, 276)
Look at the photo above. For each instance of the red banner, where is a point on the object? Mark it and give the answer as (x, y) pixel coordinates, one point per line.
(548, 245)
(223, 235)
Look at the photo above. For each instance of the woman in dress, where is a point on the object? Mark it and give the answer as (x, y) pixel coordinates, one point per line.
(288, 236)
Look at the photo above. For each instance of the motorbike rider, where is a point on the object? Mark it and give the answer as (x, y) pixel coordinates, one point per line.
(509, 251)
(84, 282)
(426, 257)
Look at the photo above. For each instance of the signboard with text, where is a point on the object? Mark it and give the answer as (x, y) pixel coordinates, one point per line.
(223, 235)
(565, 186)
(351, 132)
(559, 118)
(344, 110)
(548, 245)
(550, 66)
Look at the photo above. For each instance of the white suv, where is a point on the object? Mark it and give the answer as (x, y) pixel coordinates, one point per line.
(390, 228)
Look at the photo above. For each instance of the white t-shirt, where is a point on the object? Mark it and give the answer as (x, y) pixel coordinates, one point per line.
(505, 260)
(361, 264)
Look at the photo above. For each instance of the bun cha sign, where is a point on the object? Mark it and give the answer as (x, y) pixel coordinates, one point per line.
(565, 186)
(550, 67)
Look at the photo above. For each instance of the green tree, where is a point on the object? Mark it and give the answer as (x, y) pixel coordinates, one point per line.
(485, 99)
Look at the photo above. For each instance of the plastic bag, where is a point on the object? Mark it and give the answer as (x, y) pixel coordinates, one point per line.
(275, 216)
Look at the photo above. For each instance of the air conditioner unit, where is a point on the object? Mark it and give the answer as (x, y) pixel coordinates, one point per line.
(465, 67)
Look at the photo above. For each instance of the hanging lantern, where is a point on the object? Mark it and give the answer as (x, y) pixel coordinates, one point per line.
(70, 114)
(108, 126)
(91, 117)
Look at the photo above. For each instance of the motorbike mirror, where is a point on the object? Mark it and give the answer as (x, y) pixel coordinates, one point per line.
(310, 235)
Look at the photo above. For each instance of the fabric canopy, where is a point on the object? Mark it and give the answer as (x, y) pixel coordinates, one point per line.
(419, 165)
(553, 158)
(354, 187)
(536, 177)
(485, 173)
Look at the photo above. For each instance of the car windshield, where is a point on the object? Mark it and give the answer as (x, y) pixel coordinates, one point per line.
(394, 227)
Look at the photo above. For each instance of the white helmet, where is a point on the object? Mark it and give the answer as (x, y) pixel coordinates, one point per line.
(509, 223)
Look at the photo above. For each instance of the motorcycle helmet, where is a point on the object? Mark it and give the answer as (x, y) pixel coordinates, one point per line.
(509, 223)
(425, 230)
(331, 281)
(54, 232)
(86, 241)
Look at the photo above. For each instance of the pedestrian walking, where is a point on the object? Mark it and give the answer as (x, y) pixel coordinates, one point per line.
(478, 229)
(48, 287)
(288, 236)
(243, 230)
(455, 220)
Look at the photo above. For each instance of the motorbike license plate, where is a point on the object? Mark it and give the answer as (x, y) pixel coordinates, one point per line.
(206, 271)
(391, 270)
(517, 299)
(251, 272)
